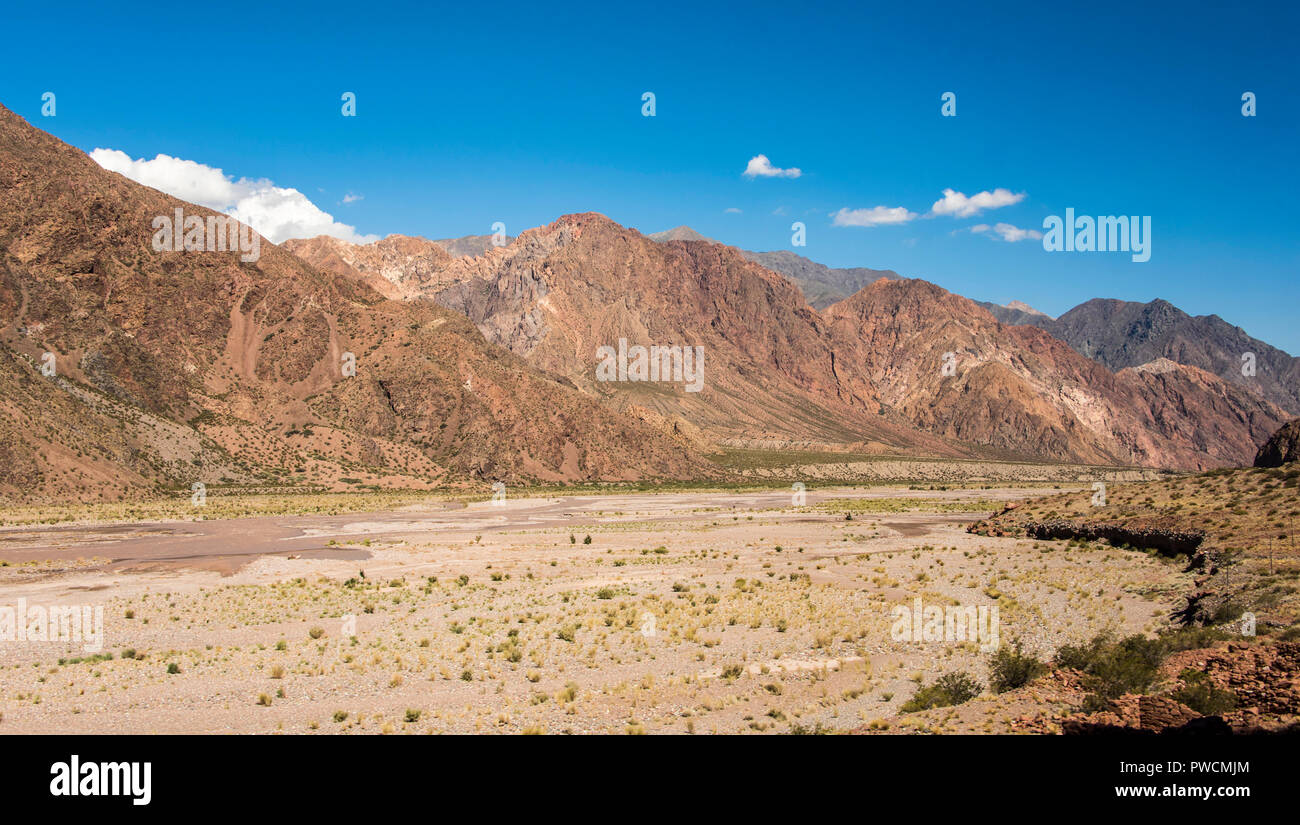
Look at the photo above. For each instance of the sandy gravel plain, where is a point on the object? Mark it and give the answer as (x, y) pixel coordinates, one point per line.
(683, 613)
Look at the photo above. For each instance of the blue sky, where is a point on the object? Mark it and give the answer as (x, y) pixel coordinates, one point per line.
(469, 115)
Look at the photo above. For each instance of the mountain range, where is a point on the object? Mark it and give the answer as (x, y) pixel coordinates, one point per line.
(865, 371)
(410, 362)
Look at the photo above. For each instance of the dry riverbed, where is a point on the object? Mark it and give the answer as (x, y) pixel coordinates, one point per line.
(657, 613)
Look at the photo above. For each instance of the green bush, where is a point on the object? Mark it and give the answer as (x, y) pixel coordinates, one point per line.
(1011, 668)
(949, 689)
(1202, 696)
(1112, 668)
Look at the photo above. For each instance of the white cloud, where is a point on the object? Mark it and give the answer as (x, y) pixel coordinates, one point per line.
(1008, 232)
(351, 198)
(875, 216)
(760, 167)
(276, 212)
(959, 206)
(731, 210)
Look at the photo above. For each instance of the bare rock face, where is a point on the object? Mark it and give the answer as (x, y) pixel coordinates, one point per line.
(1167, 541)
(1282, 447)
(176, 367)
(397, 266)
(469, 246)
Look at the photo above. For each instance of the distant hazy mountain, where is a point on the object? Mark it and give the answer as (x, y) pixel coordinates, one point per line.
(820, 284)
(468, 246)
(1018, 313)
(680, 233)
(1124, 334)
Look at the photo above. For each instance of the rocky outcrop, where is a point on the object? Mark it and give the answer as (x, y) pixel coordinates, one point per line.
(397, 266)
(1163, 540)
(1282, 447)
(1263, 678)
(1132, 713)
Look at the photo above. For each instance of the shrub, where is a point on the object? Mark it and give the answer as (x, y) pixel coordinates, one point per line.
(949, 689)
(818, 730)
(1011, 668)
(1202, 696)
(1112, 668)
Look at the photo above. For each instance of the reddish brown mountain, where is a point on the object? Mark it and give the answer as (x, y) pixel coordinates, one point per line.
(1019, 388)
(867, 369)
(174, 367)
(560, 292)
